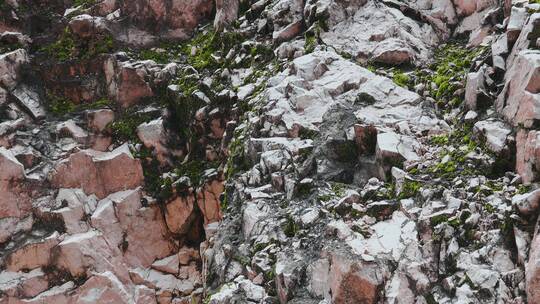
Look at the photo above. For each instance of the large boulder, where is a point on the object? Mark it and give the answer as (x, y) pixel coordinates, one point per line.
(99, 173)
(519, 101)
(84, 253)
(139, 231)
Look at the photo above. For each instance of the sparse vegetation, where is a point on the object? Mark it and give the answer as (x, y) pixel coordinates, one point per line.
(60, 106)
(70, 47)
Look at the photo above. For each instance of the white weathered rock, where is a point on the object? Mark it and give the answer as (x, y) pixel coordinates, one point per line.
(475, 86)
(23, 284)
(152, 134)
(10, 67)
(70, 129)
(517, 20)
(378, 32)
(495, 132)
(527, 203)
(98, 120)
(226, 13)
(394, 148)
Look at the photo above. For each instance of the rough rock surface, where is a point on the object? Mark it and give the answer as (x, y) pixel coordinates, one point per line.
(287, 151)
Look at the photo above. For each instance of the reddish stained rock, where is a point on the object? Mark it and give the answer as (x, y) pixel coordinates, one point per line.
(209, 202)
(14, 200)
(353, 281)
(131, 86)
(167, 18)
(465, 7)
(84, 253)
(180, 214)
(527, 155)
(32, 255)
(519, 101)
(103, 287)
(139, 231)
(99, 173)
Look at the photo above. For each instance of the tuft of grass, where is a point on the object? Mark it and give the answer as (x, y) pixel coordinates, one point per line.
(410, 189)
(125, 128)
(402, 79)
(439, 140)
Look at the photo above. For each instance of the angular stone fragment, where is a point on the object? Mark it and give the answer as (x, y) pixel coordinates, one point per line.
(527, 203)
(180, 214)
(29, 99)
(152, 134)
(495, 132)
(393, 148)
(32, 255)
(81, 254)
(70, 129)
(23, 284)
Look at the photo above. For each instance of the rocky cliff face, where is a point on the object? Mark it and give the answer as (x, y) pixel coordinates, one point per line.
(278, 151)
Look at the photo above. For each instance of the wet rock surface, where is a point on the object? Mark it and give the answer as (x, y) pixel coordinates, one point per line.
(269, 151)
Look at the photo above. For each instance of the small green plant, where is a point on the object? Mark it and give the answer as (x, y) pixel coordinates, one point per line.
(60, 106)
(202, 48)
(402, 79)
(410, 189)
(291, 227)
(439, 140)
(125, 128)
(522, 189)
